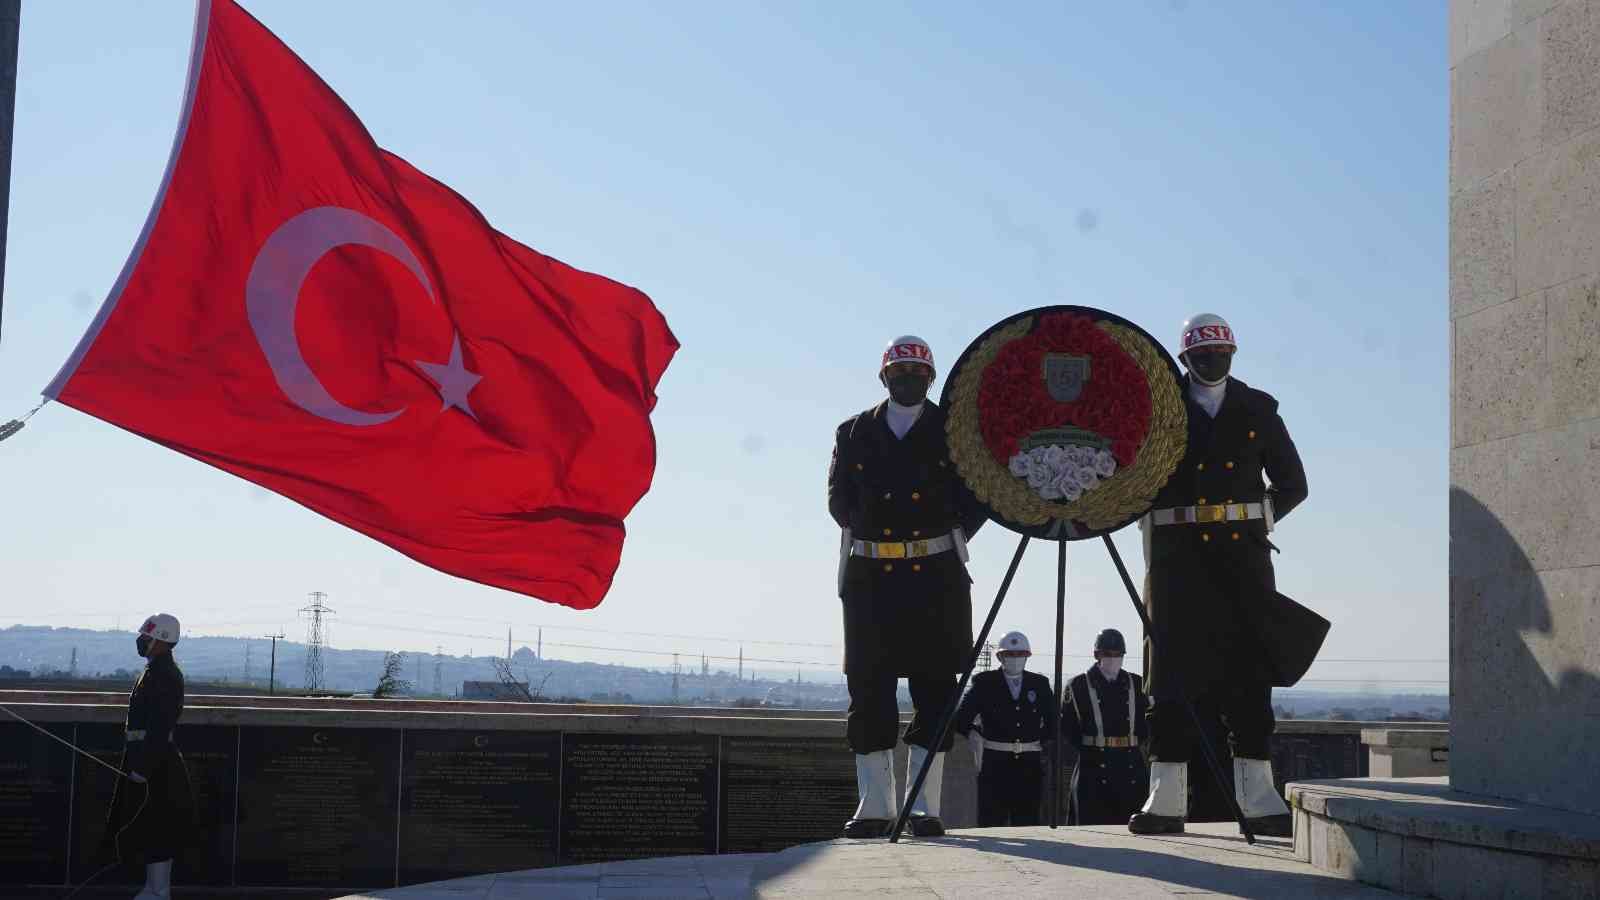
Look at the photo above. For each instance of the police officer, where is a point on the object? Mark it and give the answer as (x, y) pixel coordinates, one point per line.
(906, 517)
(1009, 716)
(1210, 587)
(1107, 725)
(151, 810)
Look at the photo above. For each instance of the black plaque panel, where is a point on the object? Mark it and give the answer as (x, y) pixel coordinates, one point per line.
(35, 782)
(208, 757)
(318, 806)
(1299, 757)
(93, 787)
(473, 803)
(778, 792)
(627, 796)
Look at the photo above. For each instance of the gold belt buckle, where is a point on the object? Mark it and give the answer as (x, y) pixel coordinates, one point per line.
(1209, 514)
(887, 550)
(917, 548)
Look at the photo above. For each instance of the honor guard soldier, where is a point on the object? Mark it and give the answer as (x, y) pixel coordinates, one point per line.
(1009, 717)
(1211, 592)
(150, 811)
(1106, 722)
(906, 517)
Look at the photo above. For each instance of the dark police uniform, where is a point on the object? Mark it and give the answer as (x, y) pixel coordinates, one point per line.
(1107, 725)
(1220, 627)
(905, 614)
(155, 817)
(1017, 733)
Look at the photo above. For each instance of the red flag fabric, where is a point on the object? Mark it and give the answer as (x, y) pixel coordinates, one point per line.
(310, 312)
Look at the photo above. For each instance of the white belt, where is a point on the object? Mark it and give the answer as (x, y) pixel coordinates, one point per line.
(902, 549)
(138, 734)
(1012, 746)
(1204, 515)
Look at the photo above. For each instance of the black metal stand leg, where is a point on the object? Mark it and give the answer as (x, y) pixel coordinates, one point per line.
(949, 717)
(1061, 625)
(1224, 784)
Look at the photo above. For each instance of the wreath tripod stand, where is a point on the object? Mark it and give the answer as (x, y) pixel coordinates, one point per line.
(948, 719)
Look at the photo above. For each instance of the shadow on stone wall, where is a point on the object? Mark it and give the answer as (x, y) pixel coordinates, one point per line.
(1523, 717)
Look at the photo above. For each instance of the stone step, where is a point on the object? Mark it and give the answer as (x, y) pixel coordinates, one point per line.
(1418, 836)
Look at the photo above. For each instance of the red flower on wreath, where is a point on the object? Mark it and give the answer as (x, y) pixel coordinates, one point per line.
(1013, 401)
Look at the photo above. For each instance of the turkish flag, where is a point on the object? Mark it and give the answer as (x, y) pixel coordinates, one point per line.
(310, 312)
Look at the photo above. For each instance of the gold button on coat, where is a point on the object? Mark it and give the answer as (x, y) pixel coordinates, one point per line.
(916, 567)
(1203, 537)
(888, 496)
(1252, 435)
(859, 467)
(915, 495)
(1200, 467)
(1236, 535)
(888, 567)
(1228, 464)
(887, 532)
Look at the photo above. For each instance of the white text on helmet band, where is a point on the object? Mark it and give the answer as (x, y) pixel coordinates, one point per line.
(1208, 334)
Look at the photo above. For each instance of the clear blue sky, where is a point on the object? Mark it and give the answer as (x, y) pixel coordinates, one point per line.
(794, 184)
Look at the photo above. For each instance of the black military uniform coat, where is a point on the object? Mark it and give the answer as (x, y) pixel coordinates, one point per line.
(1030, 717)
(154, 826)
(1210, 588)
(902, 617)
(1109, 784)
(1011, 782)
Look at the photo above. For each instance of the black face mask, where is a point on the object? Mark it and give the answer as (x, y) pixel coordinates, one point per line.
(908, 390)
(143, 645)
(1209, 366)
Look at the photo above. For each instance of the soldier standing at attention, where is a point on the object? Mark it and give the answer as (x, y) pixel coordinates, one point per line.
(1210, 584)
(151, 811)
(907, 601)
(1106, 722)
(1009, 716)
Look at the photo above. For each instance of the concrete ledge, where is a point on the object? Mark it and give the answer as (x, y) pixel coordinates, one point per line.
(1406, 752)
(1418, 836)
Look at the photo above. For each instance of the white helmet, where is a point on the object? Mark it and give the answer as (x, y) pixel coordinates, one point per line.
(162, 627)
(1015, 642)
(907, 348)
(1205, 330)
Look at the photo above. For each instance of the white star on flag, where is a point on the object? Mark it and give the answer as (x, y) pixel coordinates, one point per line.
(453, 379)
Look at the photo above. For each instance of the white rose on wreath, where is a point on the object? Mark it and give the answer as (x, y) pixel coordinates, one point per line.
(1055, 472)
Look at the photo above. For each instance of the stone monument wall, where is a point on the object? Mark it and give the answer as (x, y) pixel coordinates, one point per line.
(1525, 400)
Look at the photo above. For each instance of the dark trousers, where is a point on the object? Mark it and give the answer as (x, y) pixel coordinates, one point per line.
(1010, 788)
(1108, 785)
(1244, 709)
(873, 722)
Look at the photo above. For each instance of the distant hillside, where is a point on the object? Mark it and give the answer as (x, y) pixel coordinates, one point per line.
(40, 649)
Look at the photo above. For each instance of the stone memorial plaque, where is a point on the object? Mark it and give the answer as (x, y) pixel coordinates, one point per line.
(318, 807)
(811, 780)
(35, 784)
(628, 796)
(478, 802)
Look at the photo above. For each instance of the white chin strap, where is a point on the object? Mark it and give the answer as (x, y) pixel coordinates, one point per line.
(1196, 376)
(1253, 788)
(875, 786)
(1169, 790)
(928, 801)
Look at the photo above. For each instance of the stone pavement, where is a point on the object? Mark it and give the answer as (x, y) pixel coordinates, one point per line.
(1103, 861)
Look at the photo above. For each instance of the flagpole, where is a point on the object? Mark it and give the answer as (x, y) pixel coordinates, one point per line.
(10, 18)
